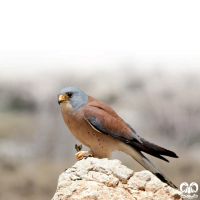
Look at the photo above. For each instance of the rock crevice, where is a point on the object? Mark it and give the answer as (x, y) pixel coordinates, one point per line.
(96, 179)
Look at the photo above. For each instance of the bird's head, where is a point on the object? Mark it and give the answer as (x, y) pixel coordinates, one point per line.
(72, 96)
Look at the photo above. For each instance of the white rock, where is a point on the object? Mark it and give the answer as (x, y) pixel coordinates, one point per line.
(94, 178)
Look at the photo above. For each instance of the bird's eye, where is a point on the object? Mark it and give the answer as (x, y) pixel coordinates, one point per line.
(69, 94)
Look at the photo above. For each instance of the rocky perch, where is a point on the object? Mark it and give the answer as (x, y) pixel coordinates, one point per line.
(96, 179)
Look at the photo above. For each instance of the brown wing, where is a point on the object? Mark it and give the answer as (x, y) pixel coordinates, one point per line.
(104, 119)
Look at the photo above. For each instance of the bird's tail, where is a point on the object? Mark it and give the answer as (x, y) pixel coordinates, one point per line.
(140, 158)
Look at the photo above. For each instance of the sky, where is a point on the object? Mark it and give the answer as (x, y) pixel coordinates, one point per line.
(16, 65)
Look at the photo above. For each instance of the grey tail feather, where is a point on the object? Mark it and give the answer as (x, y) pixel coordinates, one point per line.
(140, 158)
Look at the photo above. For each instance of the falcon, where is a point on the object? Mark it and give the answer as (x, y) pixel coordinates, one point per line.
(98, 126)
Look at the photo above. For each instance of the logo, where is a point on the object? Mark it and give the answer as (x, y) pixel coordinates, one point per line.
(189, 190)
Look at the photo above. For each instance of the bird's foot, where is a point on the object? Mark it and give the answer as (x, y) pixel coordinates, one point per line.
(81, 154)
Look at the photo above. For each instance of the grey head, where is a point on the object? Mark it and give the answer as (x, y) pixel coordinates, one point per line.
(75, 96)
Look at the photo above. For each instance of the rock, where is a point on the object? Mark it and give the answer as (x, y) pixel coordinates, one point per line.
(96, 179)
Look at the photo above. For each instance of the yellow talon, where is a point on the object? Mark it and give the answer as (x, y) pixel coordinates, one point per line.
(81, 154)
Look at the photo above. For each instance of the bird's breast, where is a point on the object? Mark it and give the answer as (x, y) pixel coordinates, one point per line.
(75, 122)
(102, 145)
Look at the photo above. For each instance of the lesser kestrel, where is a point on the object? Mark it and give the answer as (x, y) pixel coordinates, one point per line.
(97, 126)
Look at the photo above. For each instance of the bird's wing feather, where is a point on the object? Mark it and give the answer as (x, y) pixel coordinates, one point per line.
(108, 122)
(151, 148)
(104, 119)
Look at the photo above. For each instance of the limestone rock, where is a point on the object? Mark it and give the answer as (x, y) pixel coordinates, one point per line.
(97, 179)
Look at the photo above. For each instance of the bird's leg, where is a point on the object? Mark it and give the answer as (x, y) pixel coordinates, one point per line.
(81, 154)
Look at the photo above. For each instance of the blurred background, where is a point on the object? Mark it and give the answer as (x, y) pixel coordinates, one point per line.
(156, 92)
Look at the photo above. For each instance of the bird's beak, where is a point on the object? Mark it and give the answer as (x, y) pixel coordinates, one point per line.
(61, 98)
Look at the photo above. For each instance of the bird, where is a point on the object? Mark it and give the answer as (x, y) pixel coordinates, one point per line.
(99, 127)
